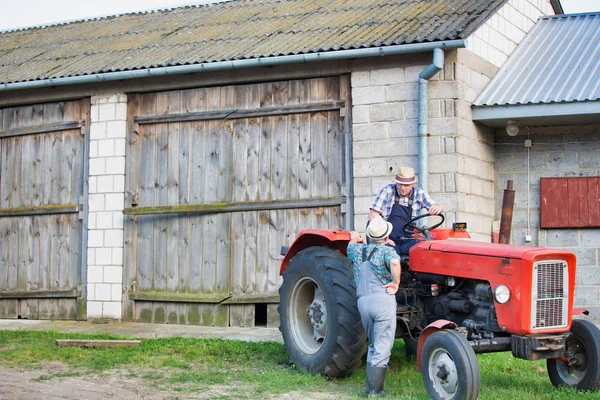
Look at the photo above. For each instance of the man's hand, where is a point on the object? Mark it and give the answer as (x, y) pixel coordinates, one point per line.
(435, 209)
(390, 242)
(391, 287)
(355, 237)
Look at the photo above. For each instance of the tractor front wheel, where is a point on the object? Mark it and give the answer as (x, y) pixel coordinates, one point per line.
(320, 322)
(449, 367)
(582, 370)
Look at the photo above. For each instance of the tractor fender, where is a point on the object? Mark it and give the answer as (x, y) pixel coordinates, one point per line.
(337, 240)
(430, 330)
(578, 311)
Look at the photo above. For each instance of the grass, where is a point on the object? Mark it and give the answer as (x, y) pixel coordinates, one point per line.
(249, 370)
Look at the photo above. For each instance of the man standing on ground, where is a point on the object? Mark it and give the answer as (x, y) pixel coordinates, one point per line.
(377, 276)
(398, 203)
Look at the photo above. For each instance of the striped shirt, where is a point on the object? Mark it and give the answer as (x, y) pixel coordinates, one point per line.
(381, 260)
(388, 194)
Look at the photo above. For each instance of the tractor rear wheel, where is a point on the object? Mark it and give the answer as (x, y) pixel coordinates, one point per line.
(449, 367)
(583, 349)
(320, 322)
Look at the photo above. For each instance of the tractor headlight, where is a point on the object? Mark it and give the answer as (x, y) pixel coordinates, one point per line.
(501, 294)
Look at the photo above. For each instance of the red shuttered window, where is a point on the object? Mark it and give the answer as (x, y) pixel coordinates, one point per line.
(570, 202)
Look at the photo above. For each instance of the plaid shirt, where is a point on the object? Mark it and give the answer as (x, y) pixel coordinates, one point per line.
(388, 194)
(382, 257)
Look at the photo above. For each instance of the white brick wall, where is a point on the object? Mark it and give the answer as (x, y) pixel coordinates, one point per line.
(500, 35)
(105, 204)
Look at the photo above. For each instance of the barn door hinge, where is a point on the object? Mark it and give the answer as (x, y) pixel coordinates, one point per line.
(82, 131)
(344, 205)
(80, 208)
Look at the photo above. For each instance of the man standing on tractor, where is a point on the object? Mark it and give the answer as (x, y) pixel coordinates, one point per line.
(398, 203)
(377, 276)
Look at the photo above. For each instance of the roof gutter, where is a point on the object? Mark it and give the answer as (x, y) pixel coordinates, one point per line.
(235, 64)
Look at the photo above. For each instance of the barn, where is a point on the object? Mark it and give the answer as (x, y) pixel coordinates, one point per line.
(153, 164)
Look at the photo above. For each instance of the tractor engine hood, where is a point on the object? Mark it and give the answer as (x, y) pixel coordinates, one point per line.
(479, 248)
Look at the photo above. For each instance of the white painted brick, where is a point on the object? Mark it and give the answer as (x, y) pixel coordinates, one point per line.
(93, 184)
(96, 202)
(97, 166)
(113, 274)
(402, 92)
(97, 130)
(370, 131)
(360, 78)
(106, 148)
(118, 220)
(91, 256)
(103, 256)
(120, 146)
(115, 165)
(116, 129)
(389, 76)
(116, 292)
(403, 129)
(105, 184)
(411, 74)
(103, 291)
(360, 114)
(115, 201)
(111, 310)
(362, 150)
(107, 112)
(94, 309)
(121, 112)
(93, 148)
(370, 167)
(113, 238)
(91, 292)
(362, 187)
(91, 220)
(119, 183)
(389, 148)
(386, 112)
(95, 238)
(94, 112)
(368, 95)
(411, 109)
(95, 274)
(117, 256)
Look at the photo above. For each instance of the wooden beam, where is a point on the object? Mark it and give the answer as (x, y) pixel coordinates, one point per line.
(40, 294)
(252, 299)
(33, 130)
(214, 208)
(179, 297)
(239, 113)
(39, 210)
(97, 343)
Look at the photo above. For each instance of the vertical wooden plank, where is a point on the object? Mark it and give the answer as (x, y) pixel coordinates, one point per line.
(184, 220)
(24, 227)
(548, 202)
(594, 201)
(55, 249)
(211, 222)
(197, 133)
(8, 308)
(146, 164)
(4, 247)
(562, 197)
(583, 202)
(319, 163)
(12, 239)
(239, 238)
(573, 208)
(161, 198)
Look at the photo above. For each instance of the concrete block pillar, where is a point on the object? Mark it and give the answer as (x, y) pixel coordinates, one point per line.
(105, 206)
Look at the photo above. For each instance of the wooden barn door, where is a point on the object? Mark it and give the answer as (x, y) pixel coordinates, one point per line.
(218, 179)
(41, 182)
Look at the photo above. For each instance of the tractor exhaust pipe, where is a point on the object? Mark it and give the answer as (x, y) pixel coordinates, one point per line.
(490, 345)
(508, 203)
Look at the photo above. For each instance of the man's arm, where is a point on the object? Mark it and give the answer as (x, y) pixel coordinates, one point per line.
(393, 286)
(373, 214)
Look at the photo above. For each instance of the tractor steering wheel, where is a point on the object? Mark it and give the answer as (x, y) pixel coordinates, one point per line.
(410, 227)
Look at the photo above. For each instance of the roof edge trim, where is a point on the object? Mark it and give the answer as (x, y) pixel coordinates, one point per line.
(482, 114)
(236, 64)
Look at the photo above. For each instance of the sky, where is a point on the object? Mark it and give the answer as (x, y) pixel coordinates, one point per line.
(25, 13)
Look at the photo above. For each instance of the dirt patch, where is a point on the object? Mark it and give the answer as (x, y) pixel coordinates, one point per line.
(56, 381)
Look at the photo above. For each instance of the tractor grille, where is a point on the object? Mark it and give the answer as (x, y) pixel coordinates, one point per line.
(550, 295)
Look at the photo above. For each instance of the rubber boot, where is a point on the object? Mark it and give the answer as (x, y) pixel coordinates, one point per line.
(375, 379)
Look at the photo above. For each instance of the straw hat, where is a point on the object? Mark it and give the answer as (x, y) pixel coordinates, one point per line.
(406, 176)
(378, 228)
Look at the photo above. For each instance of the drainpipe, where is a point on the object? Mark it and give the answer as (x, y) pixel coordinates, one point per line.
(423, 117)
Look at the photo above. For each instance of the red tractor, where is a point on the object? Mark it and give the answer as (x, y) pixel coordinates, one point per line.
(457, 298)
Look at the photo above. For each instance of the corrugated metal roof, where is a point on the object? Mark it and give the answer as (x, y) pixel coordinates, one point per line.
(233, 30)
(558, 61)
